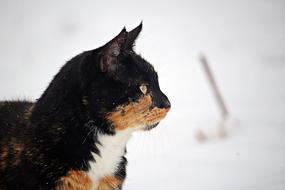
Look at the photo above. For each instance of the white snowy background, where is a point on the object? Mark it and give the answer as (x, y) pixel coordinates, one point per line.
(244, 41)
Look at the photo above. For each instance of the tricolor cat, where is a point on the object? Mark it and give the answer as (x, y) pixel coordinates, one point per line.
(74, 136)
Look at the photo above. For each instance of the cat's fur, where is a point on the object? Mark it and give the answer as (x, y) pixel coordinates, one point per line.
(74, 137)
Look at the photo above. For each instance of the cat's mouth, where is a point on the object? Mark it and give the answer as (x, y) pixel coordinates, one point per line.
(149, 127)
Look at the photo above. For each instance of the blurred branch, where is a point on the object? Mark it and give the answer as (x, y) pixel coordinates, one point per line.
(217, 93)
(221, 130)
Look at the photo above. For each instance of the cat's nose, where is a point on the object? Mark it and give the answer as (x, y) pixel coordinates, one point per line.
(167, 104)
(164, 103)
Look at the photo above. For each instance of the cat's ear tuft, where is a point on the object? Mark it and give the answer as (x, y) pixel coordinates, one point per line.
(132, 36)
(112, 50)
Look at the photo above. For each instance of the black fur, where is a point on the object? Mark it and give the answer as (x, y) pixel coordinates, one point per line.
(42, 141)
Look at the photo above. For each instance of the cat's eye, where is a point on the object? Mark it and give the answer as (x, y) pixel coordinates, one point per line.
(143, 88)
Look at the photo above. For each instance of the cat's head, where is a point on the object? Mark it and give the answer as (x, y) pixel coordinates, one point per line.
(125, 91)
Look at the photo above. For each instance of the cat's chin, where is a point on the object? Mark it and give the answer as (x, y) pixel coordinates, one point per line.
(150, 127)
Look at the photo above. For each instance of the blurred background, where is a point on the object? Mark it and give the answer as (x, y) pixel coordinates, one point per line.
(244, 43)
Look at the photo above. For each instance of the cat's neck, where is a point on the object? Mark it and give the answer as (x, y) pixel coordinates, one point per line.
(59, 115)
(62, 100)
(62, 96)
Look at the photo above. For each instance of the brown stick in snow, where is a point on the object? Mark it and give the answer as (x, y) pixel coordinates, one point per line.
(218, 96)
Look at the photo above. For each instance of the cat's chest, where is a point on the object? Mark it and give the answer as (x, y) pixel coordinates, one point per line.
(111, 148)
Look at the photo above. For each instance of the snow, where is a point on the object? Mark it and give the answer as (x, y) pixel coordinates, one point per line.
(244, 42)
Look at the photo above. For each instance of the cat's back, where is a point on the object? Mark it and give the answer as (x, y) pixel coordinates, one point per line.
(12, 115)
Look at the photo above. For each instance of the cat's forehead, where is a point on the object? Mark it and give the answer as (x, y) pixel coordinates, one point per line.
(138, 68)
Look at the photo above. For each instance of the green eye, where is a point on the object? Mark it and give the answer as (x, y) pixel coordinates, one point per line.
(143, 88)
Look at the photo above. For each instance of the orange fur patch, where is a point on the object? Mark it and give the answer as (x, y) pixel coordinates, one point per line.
(136, 113)
(75, 180)
(155, 115)
(109, 183)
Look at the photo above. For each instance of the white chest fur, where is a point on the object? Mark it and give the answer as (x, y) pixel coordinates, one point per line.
(112, 148)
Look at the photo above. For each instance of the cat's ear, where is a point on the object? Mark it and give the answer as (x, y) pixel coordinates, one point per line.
(111, 51)
(132, 36)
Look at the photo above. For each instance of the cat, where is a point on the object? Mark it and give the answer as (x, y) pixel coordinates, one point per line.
(74, 136)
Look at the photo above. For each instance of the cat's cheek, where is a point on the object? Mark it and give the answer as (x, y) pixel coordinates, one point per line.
(132, 115)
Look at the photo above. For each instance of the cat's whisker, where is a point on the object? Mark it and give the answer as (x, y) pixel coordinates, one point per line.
(90, 131)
